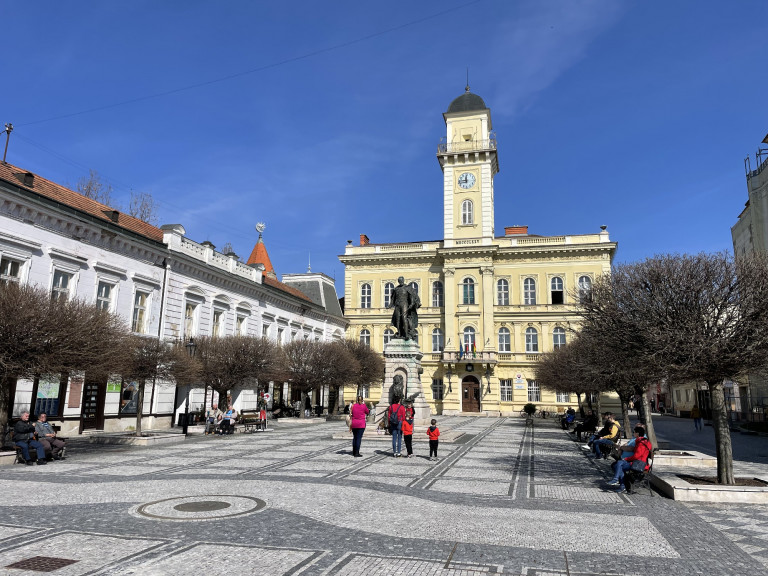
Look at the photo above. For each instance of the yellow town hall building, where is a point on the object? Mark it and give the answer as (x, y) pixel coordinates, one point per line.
(490, 305)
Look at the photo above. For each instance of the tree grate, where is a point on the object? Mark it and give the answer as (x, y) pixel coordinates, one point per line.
(42, 563)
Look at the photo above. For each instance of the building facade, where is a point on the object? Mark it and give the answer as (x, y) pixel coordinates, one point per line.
(490, 304)
(162, 283)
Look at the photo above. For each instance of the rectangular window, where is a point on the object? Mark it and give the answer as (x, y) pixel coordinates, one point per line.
(60, 288)
(265, 330)
(437, 388)
(677, 395)
(563, 397)
(104, 296)
(240, 329)
(363, 391)
(534, 391)
(505, 386)
(9, 271)
(280, 335)
(139, 323)
(190, 310)
(688, 394)
(216, 329)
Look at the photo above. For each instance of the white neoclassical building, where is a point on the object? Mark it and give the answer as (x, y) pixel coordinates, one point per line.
(161, 282)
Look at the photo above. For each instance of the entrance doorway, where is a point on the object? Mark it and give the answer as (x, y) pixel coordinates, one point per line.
(94, 394)
(470, 394)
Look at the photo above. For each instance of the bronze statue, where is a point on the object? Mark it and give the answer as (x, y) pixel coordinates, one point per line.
(405, 301)
(398, 389)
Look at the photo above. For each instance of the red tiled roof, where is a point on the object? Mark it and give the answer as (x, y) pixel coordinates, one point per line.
(284, 287)
(75, 200)
(259, 256)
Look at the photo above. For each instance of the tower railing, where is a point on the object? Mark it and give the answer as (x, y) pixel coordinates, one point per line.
(466, 146)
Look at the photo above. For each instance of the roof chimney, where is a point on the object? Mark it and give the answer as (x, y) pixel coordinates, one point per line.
(29, 179)
(515, 230)
(364, 241)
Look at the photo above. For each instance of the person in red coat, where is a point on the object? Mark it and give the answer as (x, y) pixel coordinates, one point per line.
(407, 430)
(358, 413)
(433, 432)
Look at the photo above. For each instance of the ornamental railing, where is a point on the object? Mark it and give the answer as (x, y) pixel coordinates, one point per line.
(466, 146)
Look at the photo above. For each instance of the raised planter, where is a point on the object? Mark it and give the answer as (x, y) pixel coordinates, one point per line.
(676, 459)
(150, 439)
(678, 489)
(7, 457)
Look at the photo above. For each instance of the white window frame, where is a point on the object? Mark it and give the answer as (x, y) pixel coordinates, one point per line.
(563, 397)
(389, 288)
(438, 294)
(468, 291)
(534, 391)
(5, 275)
(438, 340)
(585, 287)
(365, 295)
(553, 288)
(558, 338)
(58, 291)
(506, 390)
(190, 319)
(531, 340)
(106, 303)
(388, 335)
(365, 337)
(529, 291)
(468, 336)
(502, 292)
(467, 213)
(140, 313)
(505, 339)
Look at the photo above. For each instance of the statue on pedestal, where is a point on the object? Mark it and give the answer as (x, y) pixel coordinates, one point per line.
(405, 302)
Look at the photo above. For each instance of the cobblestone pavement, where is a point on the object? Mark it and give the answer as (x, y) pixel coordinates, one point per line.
(501, 499)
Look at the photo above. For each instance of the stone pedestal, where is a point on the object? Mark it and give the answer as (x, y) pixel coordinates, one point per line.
(403, 357)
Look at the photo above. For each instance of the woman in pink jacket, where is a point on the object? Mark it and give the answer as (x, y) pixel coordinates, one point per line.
(358, 412)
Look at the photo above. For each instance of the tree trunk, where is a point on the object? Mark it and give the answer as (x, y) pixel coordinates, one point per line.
(625, 416)
(5, 403)
(650, 432)
(722, 434)
(140, 405)
(599, 406)
(303, 410)
(578, 403)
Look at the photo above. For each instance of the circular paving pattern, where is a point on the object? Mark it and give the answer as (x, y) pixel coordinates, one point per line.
(200, 508)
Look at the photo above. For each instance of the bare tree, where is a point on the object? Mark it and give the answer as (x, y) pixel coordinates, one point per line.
(699, 318)
(312, 365)
(233, 362)
(144, 207)
(370, 365)
(150, 359)
(40, 335)
(95, 188)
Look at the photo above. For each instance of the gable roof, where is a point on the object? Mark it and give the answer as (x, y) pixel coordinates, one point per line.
(58, 193)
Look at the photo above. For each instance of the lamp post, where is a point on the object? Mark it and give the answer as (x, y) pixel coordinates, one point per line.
(191, 348)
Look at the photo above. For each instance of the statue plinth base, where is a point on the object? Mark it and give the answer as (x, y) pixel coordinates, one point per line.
(403, 357)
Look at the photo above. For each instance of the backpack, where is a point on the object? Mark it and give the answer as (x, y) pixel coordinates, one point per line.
(394, 418)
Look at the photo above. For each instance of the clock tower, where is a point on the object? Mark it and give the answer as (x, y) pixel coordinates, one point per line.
(468, 159)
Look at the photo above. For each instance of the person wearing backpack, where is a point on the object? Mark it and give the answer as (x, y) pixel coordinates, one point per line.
(395, 416)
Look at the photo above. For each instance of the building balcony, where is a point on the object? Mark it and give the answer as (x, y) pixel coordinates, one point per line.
(466, 146)
(477, 357)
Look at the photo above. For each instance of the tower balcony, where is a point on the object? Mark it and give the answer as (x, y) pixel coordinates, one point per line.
(462, 147)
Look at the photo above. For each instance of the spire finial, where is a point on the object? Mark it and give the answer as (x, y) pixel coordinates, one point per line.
(467, 88)
(260, 226)
(309, 262)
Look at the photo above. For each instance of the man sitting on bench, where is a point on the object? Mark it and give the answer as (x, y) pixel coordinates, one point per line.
(24, 438)
(46, 435)
(606, 437)
(641, 454)
(589, 425)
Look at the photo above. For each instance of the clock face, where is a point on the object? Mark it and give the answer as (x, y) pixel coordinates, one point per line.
(466, 180)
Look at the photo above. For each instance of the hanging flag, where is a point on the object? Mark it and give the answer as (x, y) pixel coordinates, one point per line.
(461, 350)
(474, 350)
(466, 349)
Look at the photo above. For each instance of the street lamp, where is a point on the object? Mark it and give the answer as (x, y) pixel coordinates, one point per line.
(191, 348)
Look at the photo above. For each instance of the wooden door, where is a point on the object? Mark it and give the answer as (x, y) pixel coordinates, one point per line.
(470, 395)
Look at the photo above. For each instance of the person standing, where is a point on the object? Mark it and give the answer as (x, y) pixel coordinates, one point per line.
(395, 416)
(433, 432)
(696, 415)
(357, 415)
(24, 438)
(46, 435)
(407, 429)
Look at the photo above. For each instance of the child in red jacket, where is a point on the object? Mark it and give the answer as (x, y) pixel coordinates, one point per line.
(407, 429)
(433, 432)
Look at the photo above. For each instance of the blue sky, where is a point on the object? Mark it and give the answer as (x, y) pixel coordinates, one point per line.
(321, 119)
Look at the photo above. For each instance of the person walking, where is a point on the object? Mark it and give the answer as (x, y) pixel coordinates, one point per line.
(696, 415)
(357, 412)
(395, 417)
(433, 432)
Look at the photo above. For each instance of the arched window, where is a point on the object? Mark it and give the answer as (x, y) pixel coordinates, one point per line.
(468, 291)
(531, 340)
(415, 287)
(437, 294)
(502, 292)
(365, 337)
(558, 338)
(416, 337)
(467, 212)
(529, 292)
(437, 340)
(468, 341)
(388, 335)
(388, 287)
(505, 344)
(585, 288)
(365, 296)
(556, 290)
